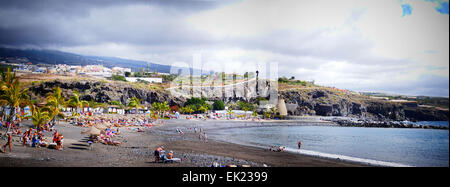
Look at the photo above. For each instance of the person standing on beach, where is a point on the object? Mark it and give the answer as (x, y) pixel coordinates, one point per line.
(59, 142)
(204, 137)
(299, 144)
(8, 143)
(25, 138)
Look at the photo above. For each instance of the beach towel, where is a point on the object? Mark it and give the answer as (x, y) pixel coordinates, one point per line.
(172, 160)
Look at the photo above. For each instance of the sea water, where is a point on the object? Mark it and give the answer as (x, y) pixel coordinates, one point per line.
(375, 146)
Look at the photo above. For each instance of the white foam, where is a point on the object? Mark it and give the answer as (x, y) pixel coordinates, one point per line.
(346, 158)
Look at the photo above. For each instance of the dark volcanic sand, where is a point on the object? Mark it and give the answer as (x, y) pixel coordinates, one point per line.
(137, 151)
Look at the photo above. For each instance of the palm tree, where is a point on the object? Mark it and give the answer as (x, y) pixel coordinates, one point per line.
(273, 111)
(39, 116)
(203, 108)
(155, 108)
(182, 110)
(230, 111)
(245, 109)
(254, 114)
(135, 103)
(187, 109)
(55, 102)
(12, 94)
(268, 114)
(160, 108)
(76, 103)
(164, 107)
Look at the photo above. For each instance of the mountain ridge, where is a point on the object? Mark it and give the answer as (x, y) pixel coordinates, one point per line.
(48, 56)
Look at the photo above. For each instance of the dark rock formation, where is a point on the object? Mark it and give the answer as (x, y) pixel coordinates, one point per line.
(426, 114)
(325, 102)
(383, 124)
(104, 92)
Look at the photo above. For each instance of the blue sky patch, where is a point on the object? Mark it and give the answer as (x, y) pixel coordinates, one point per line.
(407, 10)
(442, 8)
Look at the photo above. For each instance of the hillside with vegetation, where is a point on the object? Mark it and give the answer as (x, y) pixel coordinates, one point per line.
(301, 98)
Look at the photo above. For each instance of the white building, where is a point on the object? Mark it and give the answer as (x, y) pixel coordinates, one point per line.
(120, 70)
(148, 79)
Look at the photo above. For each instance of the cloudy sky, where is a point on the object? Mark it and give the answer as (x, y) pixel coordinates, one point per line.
(395, 46)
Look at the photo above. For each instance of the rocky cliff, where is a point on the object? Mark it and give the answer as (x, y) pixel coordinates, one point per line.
(329, 102)
(103, 91)
(319, 101)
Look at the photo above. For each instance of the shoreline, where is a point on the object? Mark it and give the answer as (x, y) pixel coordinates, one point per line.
(303, 152)
(137, 151)
(138, 147)
(336, 121)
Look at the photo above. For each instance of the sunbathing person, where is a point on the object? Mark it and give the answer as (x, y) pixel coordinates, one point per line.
(35, 140)
(158, 152)
(170, 155)
(163, 155)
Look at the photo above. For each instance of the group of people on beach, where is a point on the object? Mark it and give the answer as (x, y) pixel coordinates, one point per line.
(138, 120)
(106, 138)
(282, 148)
(37, 139)
(201, 133)
(161, 156)
(33, 138)
(218, 116)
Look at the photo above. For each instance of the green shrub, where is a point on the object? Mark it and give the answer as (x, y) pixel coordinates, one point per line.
(197, 103)
(118, 78)
(245, 106)
(218, 105)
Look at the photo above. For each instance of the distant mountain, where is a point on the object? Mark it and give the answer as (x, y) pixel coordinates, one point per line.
(37, 56)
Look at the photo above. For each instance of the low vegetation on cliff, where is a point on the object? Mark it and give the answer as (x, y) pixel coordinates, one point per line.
(301, 97)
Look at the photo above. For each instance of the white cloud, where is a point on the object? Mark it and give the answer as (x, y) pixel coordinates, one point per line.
(359, 45)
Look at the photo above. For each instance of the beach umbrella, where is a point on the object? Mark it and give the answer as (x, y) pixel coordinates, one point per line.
(100, 126)
(92, 131)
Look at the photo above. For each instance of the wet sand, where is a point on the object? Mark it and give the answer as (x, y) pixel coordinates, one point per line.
(137, 149)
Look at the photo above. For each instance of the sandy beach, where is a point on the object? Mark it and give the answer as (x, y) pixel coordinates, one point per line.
(138, 147)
